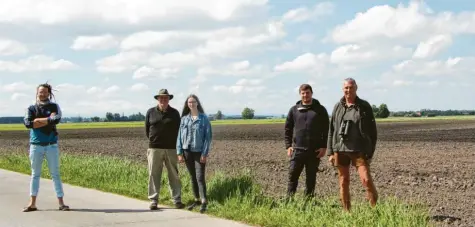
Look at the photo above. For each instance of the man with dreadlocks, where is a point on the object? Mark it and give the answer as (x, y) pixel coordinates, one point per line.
(42, 118)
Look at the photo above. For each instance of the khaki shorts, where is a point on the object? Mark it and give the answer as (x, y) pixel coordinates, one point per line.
(347, 158)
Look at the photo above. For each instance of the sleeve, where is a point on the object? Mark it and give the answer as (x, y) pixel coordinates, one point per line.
(208, 137)
(331, 130)
(56, 118)
(147, 124)
(372, 130)
(28, 119)
(325, 124)
(179, 145)
(289, 129)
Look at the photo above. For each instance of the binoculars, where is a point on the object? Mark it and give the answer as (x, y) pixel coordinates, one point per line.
(344, 128)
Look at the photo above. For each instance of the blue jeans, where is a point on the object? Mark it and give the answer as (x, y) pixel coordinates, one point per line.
(37, 154)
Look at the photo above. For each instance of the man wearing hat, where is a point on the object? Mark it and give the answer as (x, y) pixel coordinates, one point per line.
(162, 123)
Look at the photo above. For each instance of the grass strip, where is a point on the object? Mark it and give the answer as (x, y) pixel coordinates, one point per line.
(93, 125)
(234, 196)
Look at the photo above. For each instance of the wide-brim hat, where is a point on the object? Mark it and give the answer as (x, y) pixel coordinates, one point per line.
(163, 92)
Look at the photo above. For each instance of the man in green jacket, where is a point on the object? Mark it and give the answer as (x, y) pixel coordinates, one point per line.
(352, 140)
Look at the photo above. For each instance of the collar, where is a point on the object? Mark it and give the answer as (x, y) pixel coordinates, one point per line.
(355, 105)
(198, 117)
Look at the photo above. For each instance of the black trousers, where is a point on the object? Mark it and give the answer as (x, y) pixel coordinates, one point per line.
(299, 160)
(197, 173)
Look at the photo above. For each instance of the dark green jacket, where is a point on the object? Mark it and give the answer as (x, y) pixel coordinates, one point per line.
(367, 126)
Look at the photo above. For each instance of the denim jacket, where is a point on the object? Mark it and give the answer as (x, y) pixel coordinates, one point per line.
(195, 135)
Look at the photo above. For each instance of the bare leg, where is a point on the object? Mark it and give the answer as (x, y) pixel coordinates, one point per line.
(368, 184)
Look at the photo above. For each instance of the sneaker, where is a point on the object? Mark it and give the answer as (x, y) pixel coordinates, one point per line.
(179, 205)
(204, 207)
(193, 205)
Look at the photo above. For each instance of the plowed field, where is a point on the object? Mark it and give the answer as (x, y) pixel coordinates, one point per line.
(428, 161)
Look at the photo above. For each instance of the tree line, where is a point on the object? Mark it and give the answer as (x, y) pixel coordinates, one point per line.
(381, 111)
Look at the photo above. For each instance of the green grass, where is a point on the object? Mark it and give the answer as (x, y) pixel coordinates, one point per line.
(237, 198)
(92, 125)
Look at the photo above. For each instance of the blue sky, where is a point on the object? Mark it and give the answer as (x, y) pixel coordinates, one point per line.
(236, 53)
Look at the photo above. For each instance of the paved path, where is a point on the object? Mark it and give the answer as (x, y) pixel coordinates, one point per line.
(88, 208)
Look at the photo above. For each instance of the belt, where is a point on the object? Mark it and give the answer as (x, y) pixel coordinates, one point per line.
(44, 144)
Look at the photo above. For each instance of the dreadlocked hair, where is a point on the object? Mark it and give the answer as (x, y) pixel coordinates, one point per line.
(50, 90)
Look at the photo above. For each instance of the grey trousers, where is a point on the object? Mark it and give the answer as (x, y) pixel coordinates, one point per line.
(156, 159)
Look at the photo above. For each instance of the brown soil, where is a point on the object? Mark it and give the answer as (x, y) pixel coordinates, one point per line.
(431, 162)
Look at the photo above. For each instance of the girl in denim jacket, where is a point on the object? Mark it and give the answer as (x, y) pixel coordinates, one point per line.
(193, 144)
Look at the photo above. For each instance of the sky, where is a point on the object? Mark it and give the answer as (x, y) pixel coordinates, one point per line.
(113, 56)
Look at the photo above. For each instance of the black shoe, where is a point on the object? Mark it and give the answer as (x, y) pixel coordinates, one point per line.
(153, 205)
(204, 207)
(193, 205)
(179, 205)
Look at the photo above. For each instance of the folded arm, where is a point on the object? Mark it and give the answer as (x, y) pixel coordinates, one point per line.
(30, 122)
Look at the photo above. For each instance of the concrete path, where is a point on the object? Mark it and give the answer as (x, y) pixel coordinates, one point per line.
(88, 208)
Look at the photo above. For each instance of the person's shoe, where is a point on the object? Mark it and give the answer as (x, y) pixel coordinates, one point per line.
(179, 205)
(194, 204)
(153, 205)
(63, 208)
(204, 207)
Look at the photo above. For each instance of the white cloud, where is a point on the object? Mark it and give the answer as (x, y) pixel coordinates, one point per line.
(432, 46)
(410, 23)
(240, 40)
(163, 39)
(249, 82)
(93, 90)
(237, 89)
(303, 14)
(12, 47)
(133, 60)
(305, 38)
(36, 63)
(305, 62)
(122, 62)
(18, 96)
(139, 87)
(112, 89)
(122, 12)
(235, 69)
(17, 87)
(149, 72)
(451, 67)
(101, 42)
(243, 85)
(367, 54)
(402, 83)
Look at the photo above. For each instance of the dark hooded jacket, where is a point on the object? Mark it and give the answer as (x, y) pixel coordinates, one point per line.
(306, 127)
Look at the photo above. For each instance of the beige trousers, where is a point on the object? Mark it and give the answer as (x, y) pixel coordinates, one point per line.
(156, 159)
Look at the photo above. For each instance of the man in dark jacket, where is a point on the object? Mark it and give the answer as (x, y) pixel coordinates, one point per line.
(161, 127)
(352, 140)
(306, 130)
